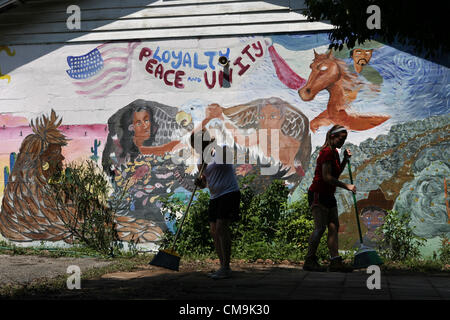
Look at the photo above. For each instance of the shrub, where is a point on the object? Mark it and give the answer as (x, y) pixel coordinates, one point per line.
(294, 228)
(269, 227)
(444, 250)
(194, 238)
(259, 220)
(397, 240)
(86, 207)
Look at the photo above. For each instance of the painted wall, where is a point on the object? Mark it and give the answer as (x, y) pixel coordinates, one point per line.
(131, 107)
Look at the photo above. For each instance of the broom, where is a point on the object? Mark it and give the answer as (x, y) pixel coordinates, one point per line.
(365, 256)
(168, 258)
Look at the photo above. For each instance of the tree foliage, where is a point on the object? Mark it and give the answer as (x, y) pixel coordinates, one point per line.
(413, 23)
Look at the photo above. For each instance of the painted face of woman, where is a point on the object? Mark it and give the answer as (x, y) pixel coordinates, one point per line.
(141, 124)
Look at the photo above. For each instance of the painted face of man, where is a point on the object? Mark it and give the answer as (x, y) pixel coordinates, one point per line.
(141, 124)
(373, 218)
(361, 56)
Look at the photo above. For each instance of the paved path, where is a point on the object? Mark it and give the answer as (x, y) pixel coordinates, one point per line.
(259, 282)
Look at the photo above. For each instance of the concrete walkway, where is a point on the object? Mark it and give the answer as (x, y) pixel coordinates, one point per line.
(260, 282)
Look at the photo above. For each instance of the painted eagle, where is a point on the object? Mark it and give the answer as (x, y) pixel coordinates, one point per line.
(274, 113)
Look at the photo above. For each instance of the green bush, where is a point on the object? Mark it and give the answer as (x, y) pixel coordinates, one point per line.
(258, 223)
(294, 228)
(444, 250)
(194, 238)
(87, 206)
(397, 240)
(269, 228)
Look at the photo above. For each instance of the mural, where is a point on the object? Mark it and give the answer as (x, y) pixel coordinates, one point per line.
(29, 209)
(144, 136)
(265, 115)
(102, 70)
(131, 106)
(332, 74)
(137, 154)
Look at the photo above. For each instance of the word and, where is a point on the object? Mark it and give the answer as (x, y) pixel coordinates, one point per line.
(169, 65)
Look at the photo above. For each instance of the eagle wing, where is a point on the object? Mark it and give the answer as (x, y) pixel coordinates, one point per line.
(295, 124)
(243, 116)
(168, 128)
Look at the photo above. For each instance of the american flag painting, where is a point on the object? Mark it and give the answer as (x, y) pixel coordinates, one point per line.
(103, 70)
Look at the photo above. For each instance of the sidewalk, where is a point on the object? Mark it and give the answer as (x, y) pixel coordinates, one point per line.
(258, 282)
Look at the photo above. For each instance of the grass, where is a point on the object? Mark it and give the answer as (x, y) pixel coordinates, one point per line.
(76, 251)
(416, 266)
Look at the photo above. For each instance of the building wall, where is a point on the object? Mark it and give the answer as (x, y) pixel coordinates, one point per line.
(46, 21)
(286, 86)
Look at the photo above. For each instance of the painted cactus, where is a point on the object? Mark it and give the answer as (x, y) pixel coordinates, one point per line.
(6, 175)
(8, 170)
(94, 150)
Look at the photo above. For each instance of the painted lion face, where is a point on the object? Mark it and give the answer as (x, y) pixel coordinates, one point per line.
(52, 160)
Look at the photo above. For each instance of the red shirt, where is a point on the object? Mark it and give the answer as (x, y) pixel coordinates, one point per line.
(318, 184)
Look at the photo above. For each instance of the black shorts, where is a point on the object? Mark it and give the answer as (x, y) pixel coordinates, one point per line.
(326, 200)
(225, 207)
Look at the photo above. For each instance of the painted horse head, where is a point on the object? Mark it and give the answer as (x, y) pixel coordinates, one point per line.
(330, 73)
(326, 71)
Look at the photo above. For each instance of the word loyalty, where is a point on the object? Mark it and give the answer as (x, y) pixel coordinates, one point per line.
(180, 59)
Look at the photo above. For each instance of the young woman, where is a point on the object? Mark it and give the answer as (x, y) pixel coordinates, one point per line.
(220, 178)
(323, 203)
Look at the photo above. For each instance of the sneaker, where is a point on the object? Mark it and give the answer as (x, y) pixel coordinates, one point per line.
(337, 265)
(311, 264)
(222, 273)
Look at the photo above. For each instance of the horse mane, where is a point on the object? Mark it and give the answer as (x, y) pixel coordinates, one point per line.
(349, 80)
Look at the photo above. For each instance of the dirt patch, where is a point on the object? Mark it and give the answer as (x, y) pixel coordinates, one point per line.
(23, 269)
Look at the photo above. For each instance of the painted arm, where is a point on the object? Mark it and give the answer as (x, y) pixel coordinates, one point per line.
(159, 150)
(212, 111)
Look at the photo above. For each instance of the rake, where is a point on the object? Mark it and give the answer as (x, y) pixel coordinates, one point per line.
(365, 256)
(169, 258)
